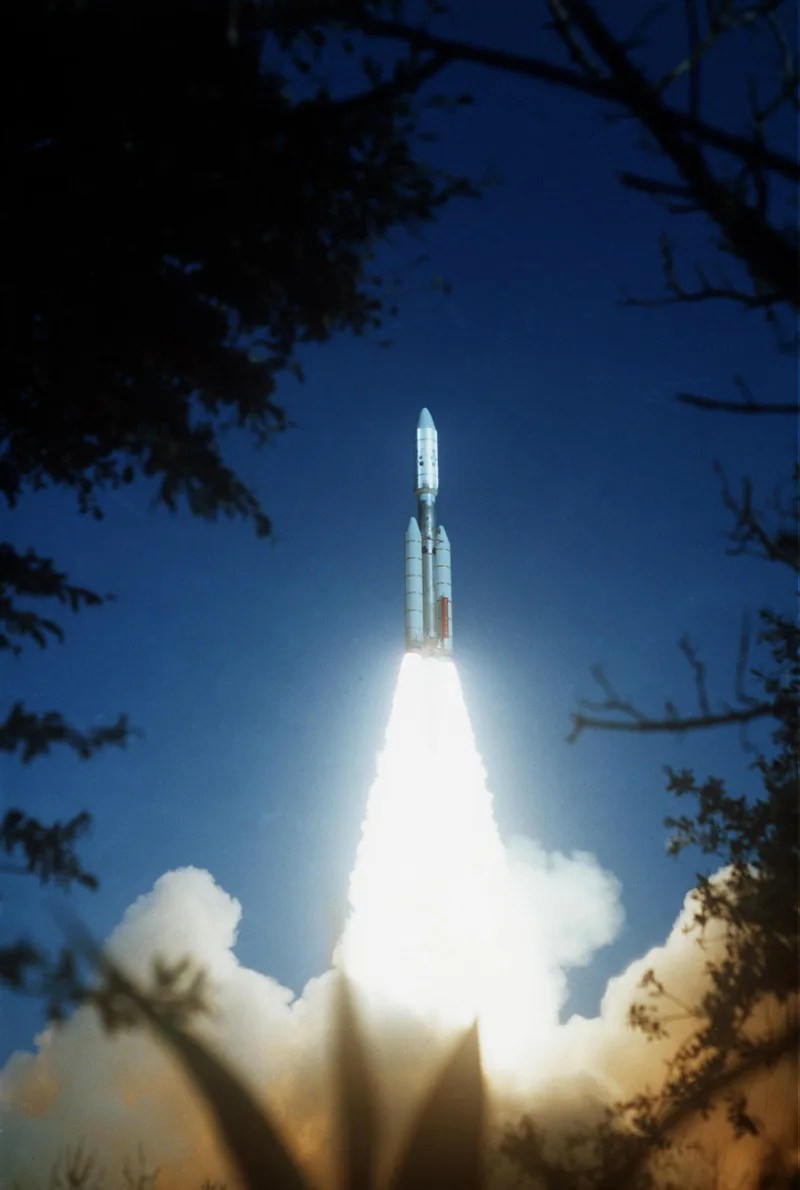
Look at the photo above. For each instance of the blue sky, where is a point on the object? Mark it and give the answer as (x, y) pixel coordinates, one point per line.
(585, 522)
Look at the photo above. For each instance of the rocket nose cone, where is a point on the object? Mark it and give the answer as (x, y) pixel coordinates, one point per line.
(413, 530)
(425, 421)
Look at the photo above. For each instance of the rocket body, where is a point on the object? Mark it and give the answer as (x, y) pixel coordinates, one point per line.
(429, 593)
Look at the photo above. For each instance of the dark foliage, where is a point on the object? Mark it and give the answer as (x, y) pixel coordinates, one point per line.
(29, 576)
(178, 219)
(176, 224)
(758, 839)
(33, 733)
(181, 224)
(444, 1147)
(48, 851)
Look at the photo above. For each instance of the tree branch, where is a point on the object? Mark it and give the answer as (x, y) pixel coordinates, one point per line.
(766, 253)
(699, 402)
(49, 851)
(404, 83)
(757, 1056)
(31, 576)
(707, 294)
(33, 734)
(453, 49)
(778, 546)
(699, 671)
(653, 186)
(577, 53)
(581, 722)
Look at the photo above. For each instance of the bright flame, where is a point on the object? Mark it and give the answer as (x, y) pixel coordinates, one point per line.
(434, 927)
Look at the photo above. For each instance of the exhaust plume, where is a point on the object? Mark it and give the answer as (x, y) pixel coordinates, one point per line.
(446, 925)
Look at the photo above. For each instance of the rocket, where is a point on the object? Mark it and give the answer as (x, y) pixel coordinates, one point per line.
(429, 595)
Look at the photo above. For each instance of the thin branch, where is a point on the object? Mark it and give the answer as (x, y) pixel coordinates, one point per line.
(743, 664)
(699, 671)
(757, 1056)
(613, 701)
(405, 83)
(699, 402)
(581, 722)
(790, 76)
(757, 299)
(766, 252)
(780, 546)
(710, 293)
(720, 23)
(564, 29)
(653, 186)
(696, 53)
(610, 89)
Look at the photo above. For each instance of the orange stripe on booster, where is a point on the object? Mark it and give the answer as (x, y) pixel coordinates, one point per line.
(444, 616)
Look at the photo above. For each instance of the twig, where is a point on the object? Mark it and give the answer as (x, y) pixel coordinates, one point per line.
(576, 51)
(699, 671)
(454, 49)
(780, 547)
(735, 406)
(711, 293)
(653, 186)
(581, 722)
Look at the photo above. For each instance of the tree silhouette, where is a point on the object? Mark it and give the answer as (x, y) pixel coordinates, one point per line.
(180, 217)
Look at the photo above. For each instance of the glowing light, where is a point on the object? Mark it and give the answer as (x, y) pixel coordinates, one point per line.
(434, 926)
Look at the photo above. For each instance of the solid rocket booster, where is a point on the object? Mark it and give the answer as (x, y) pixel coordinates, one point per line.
(429, 591)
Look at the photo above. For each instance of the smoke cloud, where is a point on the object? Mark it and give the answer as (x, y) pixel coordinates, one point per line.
(446, 924)
(123, 1093)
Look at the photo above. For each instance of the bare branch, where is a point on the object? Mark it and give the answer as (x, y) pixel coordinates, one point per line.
(759, 298)
(453, 49)
(766, 252)
(653, 186)
(695, 55)
(612, 701)
(405, 82)
(750, 536)
(743, 663)
(699, 671)
(564, 29)
(720, 22)
(699, 402)
(789, 73)
(710, 293)
(615, 713)
(581, 722)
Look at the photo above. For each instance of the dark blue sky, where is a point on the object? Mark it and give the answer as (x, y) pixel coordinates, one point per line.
(586, 526)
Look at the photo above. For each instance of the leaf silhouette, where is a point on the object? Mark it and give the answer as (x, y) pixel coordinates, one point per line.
(251, 1139)
(357, 1109)
(443, 1151)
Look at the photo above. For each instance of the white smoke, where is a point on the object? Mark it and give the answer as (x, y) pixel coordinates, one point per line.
(124, 1091)
(446, 922)
(121, 1092)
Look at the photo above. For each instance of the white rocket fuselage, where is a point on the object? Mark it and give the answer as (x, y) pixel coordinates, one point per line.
(429, 595)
